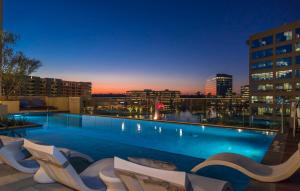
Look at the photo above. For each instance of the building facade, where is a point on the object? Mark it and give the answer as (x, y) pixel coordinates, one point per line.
(219, 85)
(36, 86)
(274, 65)
(148, 98)
(245, 92)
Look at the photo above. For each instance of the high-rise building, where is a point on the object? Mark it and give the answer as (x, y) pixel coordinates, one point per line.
(147, 98)
(245, 92)
(219, 85)
(210, 88)
(36, 86)
(274, 65)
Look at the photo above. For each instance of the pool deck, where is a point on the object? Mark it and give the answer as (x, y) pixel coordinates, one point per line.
(12, 180)
(282, 148)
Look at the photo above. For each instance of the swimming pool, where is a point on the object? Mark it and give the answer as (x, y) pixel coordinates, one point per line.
(184, 145)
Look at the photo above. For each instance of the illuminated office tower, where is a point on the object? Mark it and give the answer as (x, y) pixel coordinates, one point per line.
(274, 65)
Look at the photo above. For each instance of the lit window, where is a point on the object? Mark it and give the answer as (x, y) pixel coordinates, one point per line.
(298, 85)
(284, 87)
(281, 62)
(264, 111)
(284, 36)
(297, 47)
(284, 74)
(263, 76)
(283, 49)
(254, 99)
(262, 99)
(298, 33)
(265, 87)
(262, 42)
(262, 65)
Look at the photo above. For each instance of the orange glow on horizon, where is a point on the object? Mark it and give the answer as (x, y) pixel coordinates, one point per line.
(121, 89)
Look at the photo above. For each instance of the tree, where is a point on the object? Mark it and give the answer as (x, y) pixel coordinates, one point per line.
(15, 66)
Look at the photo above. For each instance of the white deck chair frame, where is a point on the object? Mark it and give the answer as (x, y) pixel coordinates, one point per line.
(54, 167)
(11, 153)
(257, 171)
(141, 178)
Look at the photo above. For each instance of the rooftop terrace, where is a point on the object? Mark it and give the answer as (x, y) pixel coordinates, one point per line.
(281, 149)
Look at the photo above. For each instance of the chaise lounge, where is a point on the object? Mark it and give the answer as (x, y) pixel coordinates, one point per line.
(138, 177)
(13, 154)
(114, 174)
(257, 171)
(55, 167)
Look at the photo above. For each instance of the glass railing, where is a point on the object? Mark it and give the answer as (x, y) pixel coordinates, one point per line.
(214, 111)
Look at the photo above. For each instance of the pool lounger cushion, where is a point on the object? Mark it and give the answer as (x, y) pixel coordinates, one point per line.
(153, 163)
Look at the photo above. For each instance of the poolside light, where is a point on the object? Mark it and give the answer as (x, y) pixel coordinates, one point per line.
(240, 130)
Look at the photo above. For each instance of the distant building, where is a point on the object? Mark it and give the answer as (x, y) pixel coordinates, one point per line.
(211, 86)
(36, 86)
(219, 85)
(245, 92)
(147, 98)
(274, 63)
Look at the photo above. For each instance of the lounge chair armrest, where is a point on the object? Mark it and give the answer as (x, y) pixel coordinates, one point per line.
(108, 175)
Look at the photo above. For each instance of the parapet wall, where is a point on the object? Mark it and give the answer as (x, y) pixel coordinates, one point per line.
(67, 104)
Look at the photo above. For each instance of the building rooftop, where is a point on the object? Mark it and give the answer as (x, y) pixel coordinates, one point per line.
(274, 30)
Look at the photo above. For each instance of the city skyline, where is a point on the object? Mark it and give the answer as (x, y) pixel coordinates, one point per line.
(142, 45)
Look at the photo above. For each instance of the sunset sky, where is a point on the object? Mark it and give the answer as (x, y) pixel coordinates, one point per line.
(122, 45)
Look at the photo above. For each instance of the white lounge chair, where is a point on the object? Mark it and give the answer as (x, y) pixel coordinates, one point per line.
(13, 154)
(54, 167)
(257, 171)
(142, 178)
(15, 145)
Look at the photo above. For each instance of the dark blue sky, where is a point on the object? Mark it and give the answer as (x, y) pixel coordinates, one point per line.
(136, 44)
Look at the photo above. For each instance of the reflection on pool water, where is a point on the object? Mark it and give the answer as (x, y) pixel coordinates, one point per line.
(184, 145)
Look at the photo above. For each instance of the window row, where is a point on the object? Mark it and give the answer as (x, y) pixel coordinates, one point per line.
(280, 62)
(287, 87)
(279, 37)
(262, 76)
(262, 111)
(270, 99)
(262, 99)
(283, 74)
(278, 51)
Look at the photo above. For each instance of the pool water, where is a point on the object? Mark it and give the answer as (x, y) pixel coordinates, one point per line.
(184, 145)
